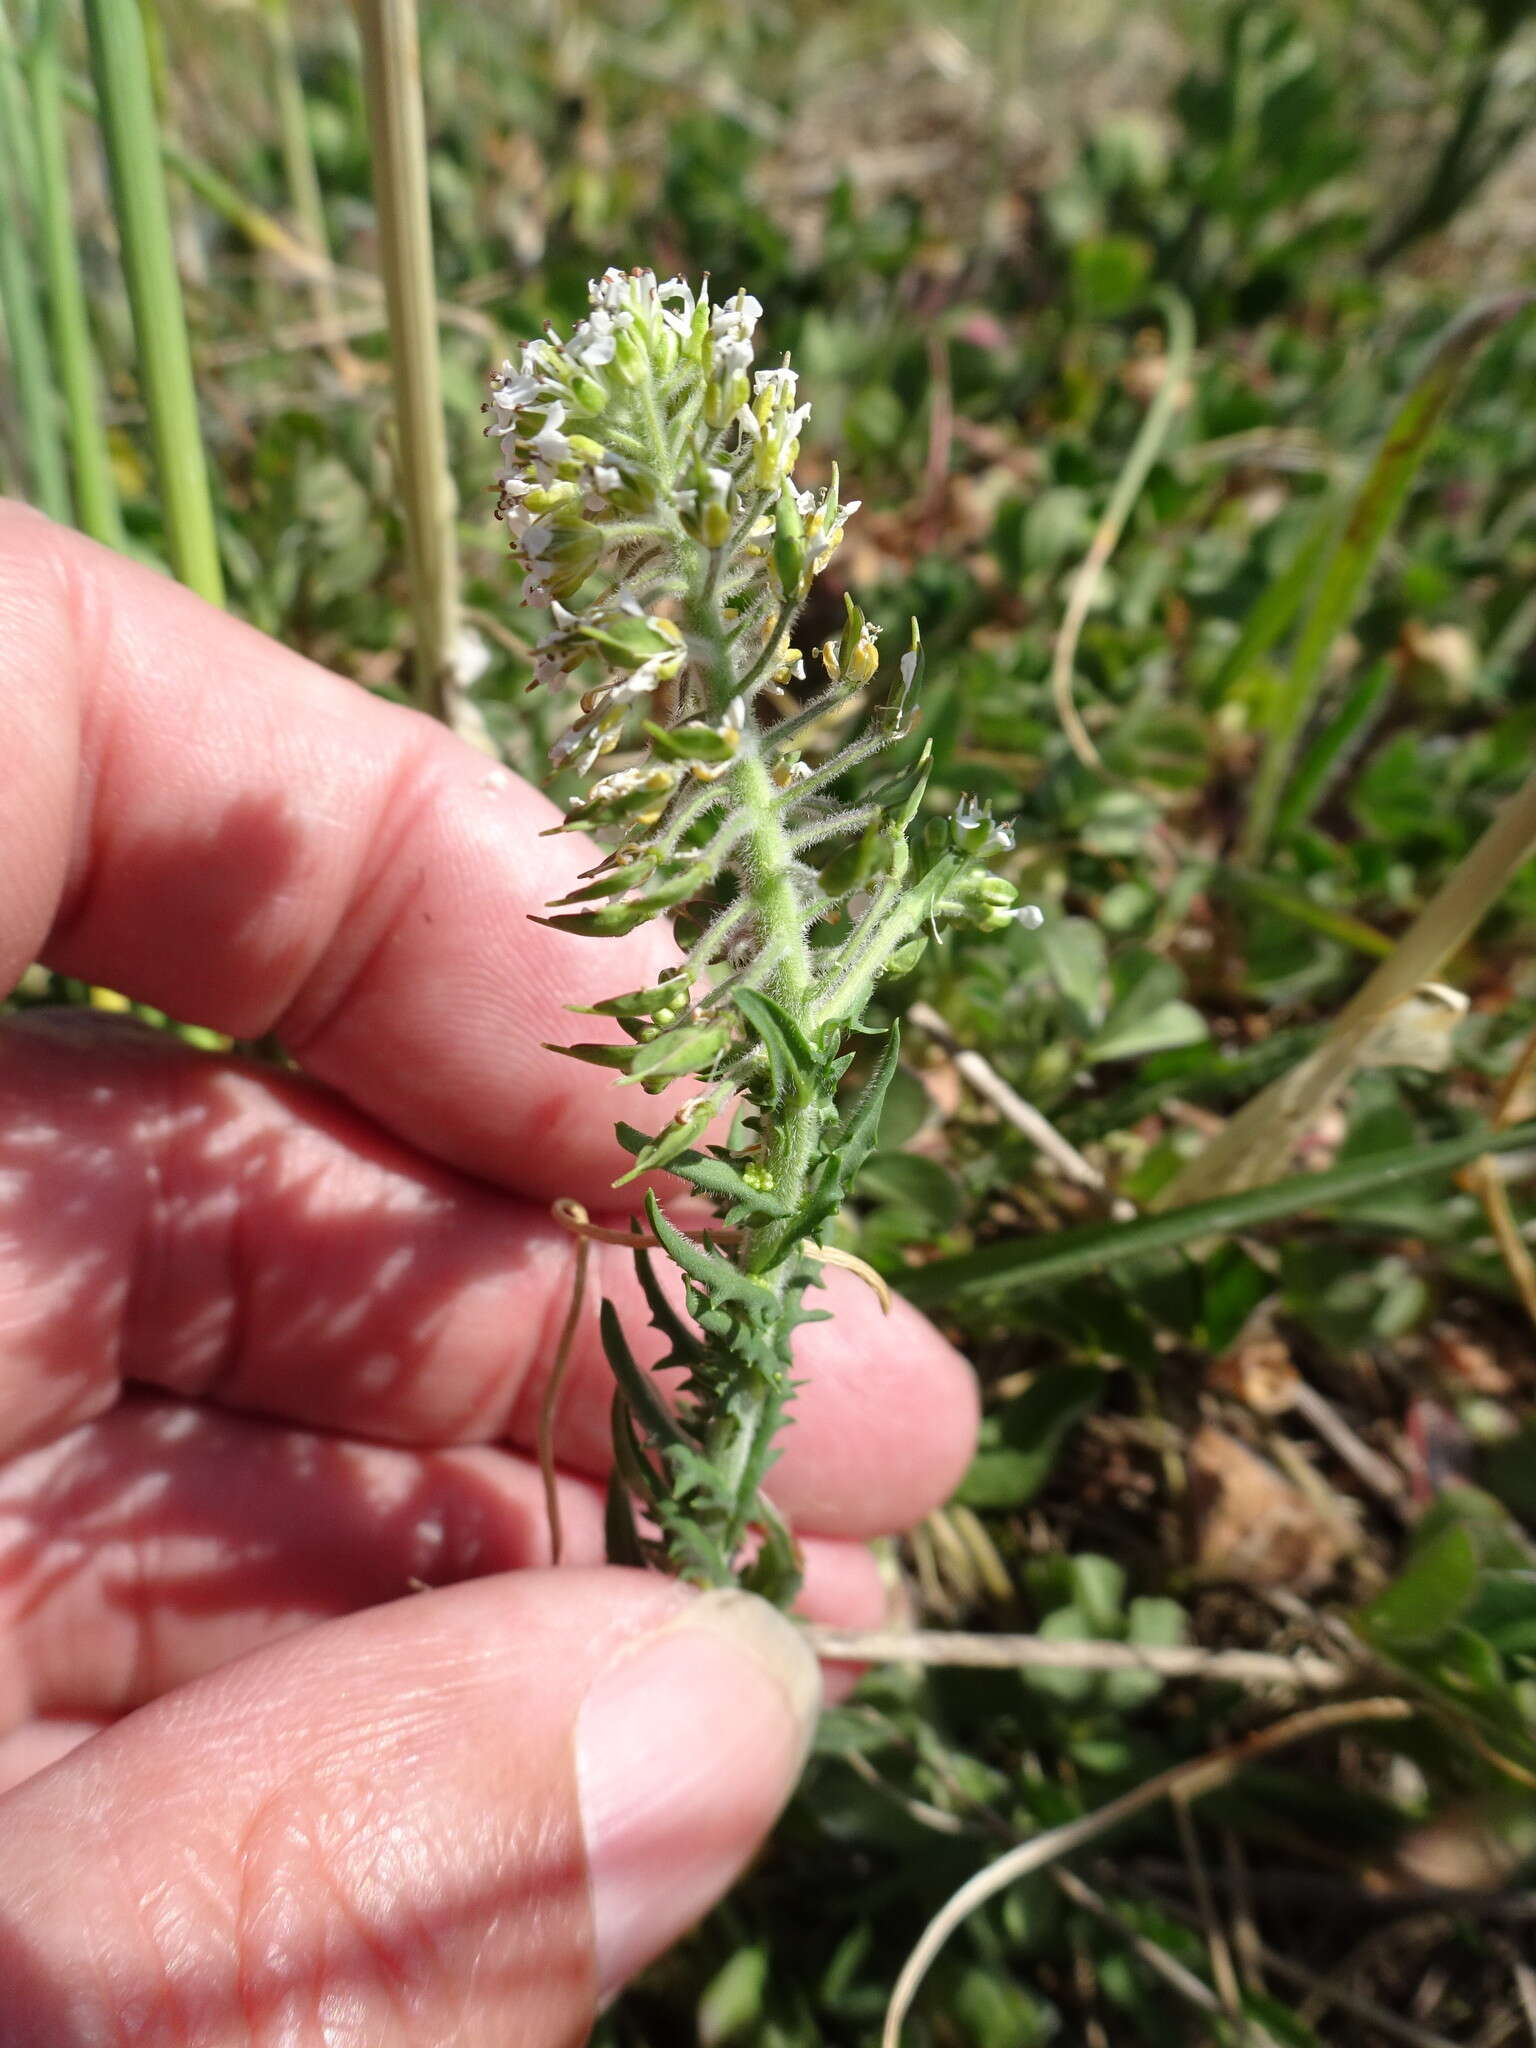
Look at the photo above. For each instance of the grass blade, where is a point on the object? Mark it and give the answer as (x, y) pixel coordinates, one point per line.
(1370, 520)
(1255, 1145)
(1022, 1266)
(392, 77)
(120, 62)
(37, 402)
(1342, 732)
(74, 354)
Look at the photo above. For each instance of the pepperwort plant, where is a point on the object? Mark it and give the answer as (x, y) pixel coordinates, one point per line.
(648, 485)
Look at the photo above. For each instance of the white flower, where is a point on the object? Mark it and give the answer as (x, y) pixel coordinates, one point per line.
(549, 445)
(1030, 916)
(593, 342)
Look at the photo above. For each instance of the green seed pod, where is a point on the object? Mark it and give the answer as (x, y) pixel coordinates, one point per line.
(789, 543)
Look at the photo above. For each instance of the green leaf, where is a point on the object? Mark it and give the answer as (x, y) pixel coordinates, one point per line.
(1427, 1599)
(686, 1347)
(790, 1057)
(732, 2001)
(621, 1538)
(719, 1177)
(859, 1132)
(1024, 1265)
(722, 1280)
(638, 1387)
(927, 1198)
(1020, 1446)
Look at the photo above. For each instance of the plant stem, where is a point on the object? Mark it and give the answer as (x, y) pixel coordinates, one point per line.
(74, 354)
(299, 168)
(396, 125)
(120, 62)
(36, 398)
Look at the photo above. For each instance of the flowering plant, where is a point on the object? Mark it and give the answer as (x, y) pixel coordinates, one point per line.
(649, 488)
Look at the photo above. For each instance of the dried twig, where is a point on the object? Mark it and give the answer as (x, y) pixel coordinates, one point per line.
(1328, 1989)
(1302, 1671)
(1025, 1118)
(1188, 1780)
(1483, 1179)
(1222, 1973)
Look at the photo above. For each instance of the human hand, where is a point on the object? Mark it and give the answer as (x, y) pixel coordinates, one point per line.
(271, 1357)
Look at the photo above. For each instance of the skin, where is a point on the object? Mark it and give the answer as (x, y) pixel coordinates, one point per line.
(271, 1356)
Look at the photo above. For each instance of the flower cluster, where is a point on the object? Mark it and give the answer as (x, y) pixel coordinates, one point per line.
(648, 485)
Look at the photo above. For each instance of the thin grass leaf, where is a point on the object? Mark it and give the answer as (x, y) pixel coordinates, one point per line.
(1291, 902)
(397, 131)
(36, 399)
(74, 352)
(1023, 1266)
(1371, 519)
(1278, 606)
(1331, 750)
(125, 94)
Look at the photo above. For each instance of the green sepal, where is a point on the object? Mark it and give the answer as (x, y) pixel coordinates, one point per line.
(857, 1138)
(717, 1276)
(649, 1153)
(618, 1056)
(790, 1055)
(906, 955)
(638, 1387)
(692, 742)
(684, 1049)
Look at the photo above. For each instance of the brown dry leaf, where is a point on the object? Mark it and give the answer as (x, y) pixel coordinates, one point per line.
(1260, 1373)
(1251, 1526)
(1469, 1366)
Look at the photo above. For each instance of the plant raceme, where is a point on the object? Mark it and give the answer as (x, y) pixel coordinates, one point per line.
(649, 490)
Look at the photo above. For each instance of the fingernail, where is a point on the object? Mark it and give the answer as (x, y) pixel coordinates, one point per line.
(687, 1746)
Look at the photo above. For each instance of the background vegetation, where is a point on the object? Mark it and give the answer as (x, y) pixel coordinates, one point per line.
(1027, 259)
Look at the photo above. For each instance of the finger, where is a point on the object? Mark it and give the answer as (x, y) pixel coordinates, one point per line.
(222, 1232)
(148, 1548)
(461, 1817)
(194, 815)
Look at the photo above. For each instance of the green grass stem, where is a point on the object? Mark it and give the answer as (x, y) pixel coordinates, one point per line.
(392, 77)
(120, 62)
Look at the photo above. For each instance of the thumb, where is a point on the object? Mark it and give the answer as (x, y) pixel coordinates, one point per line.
(460, 1819)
